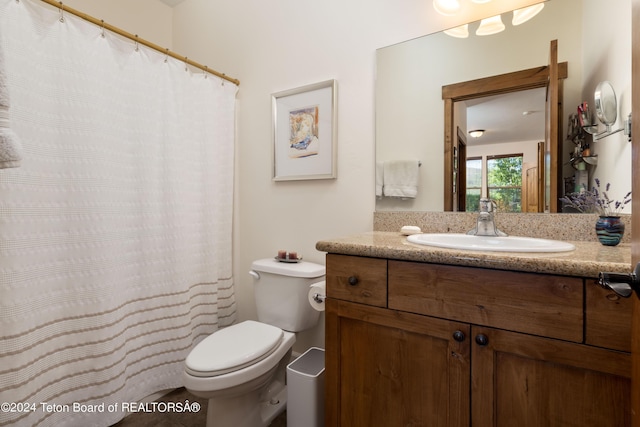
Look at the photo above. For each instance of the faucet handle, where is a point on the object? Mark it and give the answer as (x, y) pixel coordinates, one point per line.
(487, 205)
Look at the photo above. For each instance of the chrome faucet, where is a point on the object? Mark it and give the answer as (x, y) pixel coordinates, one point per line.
(486, 225)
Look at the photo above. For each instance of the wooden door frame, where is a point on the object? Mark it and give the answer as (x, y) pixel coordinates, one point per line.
(531, 78)
(461, 185)
(541, 191)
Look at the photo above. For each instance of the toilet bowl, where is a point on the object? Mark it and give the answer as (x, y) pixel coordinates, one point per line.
(241, 369)
(236, 387)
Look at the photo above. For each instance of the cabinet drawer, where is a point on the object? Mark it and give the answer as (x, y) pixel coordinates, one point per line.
(537, 304)
(357, 279)
(608, 318)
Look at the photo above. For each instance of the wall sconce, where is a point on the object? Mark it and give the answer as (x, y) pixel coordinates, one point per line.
(476, 133)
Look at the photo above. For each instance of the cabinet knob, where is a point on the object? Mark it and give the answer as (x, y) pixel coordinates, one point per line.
(353, 280)
(458, 336)
(482, 340)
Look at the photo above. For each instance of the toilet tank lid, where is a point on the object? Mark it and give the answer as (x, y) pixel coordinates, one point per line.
(296, 269)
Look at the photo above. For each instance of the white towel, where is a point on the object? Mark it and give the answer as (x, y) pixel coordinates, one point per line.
(10, 147)
(401, 178)
(379, 178)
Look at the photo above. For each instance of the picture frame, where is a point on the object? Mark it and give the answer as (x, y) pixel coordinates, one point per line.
(305, 132)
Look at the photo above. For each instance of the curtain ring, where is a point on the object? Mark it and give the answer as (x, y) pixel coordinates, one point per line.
(61, 9)
(102, 28)
(166, 56)
(185, 63)
(136, 42)
(206, 72)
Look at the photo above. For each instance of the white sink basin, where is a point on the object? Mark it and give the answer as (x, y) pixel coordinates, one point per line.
(490, 243)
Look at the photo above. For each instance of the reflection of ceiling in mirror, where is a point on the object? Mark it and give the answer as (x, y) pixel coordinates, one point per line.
(410, 77)
(511, 117)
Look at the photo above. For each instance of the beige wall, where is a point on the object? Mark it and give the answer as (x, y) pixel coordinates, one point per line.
(274, 46)
(149, 19)
(607, 56)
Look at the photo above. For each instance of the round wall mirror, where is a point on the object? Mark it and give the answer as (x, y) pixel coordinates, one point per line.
(606, 104)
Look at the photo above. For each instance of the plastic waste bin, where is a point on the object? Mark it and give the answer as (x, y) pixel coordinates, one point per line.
(305, 390)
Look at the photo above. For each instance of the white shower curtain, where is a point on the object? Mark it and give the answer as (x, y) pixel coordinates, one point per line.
(115, 233)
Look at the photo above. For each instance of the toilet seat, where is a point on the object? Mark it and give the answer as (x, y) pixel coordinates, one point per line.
(233, 348)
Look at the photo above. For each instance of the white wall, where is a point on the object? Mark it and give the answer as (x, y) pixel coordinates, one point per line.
(607, 56)
(274, 46)
(151, 20)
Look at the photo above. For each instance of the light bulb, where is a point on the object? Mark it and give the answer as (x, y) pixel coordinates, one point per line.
(461, 32)
(520, 16)
(490, 26)
(446, 7)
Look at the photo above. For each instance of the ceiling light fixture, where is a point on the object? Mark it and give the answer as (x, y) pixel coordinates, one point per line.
(446, 7)
(461, 32)
(520, 16)
(490, 26)
(476, 133)
(487, 26)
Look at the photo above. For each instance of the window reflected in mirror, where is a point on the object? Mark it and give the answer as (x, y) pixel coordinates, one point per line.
(496, 177)
(504, 182)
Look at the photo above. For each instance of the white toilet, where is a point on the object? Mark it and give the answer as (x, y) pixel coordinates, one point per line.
(241, 369)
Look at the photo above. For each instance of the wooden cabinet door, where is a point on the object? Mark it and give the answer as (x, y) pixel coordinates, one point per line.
(389, 368)
(528, 381)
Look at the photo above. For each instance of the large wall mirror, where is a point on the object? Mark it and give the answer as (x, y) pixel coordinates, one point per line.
(410, 77)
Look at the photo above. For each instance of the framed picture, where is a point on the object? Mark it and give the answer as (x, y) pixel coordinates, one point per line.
(305, 133)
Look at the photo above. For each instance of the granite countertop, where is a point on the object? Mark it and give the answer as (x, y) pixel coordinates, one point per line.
(587, 260)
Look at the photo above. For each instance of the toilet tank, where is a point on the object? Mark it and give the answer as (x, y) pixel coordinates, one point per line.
(281, 290)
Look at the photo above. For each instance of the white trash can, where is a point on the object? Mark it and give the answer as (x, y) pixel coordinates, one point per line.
(305, 390)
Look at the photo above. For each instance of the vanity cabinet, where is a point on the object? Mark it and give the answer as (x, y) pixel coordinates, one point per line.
(417, 344)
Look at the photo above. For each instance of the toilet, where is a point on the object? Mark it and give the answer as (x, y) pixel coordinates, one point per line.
(241, 369)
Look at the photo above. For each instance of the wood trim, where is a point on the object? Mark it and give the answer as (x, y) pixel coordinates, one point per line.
(332, 364)
(461, 187)
(555, 166)
(503, 83)
(540, 176)
(449, 138)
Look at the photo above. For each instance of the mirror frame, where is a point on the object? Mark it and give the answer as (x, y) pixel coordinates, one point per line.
(505, 83)
(605, 96)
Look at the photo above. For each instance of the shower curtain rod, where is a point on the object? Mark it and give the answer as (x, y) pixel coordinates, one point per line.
(134, 37)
